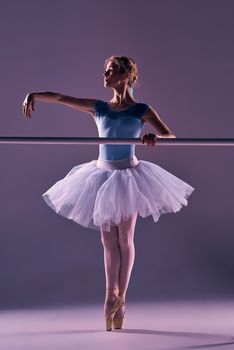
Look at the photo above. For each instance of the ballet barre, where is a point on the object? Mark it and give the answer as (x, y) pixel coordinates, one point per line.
(162, 141)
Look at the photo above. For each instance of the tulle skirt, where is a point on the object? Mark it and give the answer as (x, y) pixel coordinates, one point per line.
(102, 193)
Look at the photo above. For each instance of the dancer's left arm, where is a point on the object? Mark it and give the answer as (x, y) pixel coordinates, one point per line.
(151, 116)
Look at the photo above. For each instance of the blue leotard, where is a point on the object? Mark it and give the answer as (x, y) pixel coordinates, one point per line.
(126, 123)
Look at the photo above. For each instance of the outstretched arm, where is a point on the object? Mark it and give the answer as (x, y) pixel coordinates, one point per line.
(82, 104)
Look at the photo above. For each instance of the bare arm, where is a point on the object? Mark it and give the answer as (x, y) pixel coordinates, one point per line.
(152, 117)
(82, 104)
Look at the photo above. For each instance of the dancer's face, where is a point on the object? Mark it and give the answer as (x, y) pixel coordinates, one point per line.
(112, 76)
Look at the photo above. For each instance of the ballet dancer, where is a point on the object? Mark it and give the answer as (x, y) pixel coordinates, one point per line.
(109, 193)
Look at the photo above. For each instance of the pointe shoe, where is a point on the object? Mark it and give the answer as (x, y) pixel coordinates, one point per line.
(119, 316)
(110, 316)
(118, 302)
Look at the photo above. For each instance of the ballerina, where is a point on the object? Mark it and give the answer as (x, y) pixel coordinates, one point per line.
(109, 193)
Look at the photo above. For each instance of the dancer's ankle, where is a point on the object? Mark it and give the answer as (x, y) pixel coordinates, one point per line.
(122, 292)
(112, 291)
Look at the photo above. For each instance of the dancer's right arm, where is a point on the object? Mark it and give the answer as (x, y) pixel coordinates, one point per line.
(82, 104)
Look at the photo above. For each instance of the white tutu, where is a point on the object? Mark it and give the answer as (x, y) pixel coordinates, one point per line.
(93, 196)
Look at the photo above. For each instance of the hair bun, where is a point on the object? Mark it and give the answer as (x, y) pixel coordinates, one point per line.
(125, 64)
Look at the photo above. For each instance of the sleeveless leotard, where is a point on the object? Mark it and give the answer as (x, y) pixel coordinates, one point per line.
(126, 123)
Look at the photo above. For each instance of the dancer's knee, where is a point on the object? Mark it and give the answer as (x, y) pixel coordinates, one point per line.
(109, 243)
(109, 239)
(126, 232)
(126, 238)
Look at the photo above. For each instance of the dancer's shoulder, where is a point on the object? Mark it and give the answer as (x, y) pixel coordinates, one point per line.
(100, 107)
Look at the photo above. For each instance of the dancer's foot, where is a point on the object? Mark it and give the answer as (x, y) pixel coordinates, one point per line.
(119, 316)
(110, 306)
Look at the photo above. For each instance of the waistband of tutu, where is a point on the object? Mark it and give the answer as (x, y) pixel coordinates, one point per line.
(117, 164)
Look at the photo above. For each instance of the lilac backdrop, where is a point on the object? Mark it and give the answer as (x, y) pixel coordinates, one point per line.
(185, 55)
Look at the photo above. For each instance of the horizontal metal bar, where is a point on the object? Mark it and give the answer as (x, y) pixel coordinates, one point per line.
(104, 140)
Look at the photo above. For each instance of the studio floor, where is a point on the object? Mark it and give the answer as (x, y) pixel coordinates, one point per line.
(161, 325)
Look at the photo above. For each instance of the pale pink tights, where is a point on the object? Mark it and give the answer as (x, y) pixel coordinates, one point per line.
(119, 253)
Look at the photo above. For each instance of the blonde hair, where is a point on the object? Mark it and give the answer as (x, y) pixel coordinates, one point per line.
(126, 64)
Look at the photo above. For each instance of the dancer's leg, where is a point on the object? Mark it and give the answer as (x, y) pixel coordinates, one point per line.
(111, 257)
(126, 231)
(112, 264)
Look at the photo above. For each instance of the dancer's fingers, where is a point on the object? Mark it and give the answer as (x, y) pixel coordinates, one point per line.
(149, 139)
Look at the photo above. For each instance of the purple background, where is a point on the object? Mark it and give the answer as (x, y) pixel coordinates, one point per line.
(185, 56)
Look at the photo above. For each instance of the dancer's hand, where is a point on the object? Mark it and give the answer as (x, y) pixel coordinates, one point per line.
(28, 105)
(149, 139)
